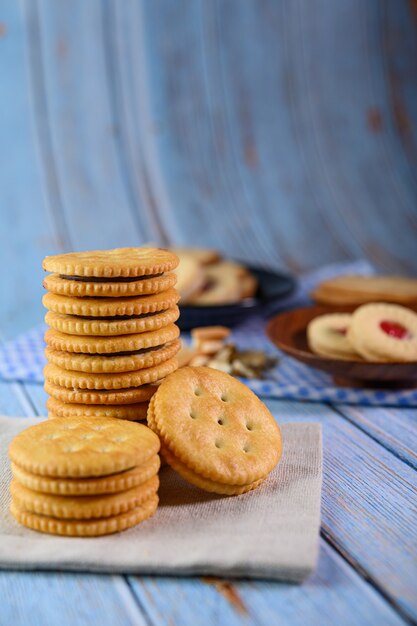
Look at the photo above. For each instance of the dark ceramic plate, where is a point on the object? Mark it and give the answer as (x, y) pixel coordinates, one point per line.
(288, 332)
(272, 287)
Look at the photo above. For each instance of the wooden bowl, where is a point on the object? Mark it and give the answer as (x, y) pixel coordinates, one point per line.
(288, 332)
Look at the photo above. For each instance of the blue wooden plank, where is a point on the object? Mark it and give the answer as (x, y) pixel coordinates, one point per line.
(368, 503)
(27, 230)
(335, 594)
(75, 116)
(45, 599)
(396, 429)
(38, 397)
(12, 400)
(355, 519)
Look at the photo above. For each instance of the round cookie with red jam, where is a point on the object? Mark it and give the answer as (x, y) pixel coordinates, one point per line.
(385, 332)
(327, 336)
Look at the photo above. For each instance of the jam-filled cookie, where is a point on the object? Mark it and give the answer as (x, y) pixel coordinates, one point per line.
(384, 332)
(327, 336)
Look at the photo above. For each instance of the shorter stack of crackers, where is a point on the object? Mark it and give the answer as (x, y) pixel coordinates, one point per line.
(112, 335)
(84, 476)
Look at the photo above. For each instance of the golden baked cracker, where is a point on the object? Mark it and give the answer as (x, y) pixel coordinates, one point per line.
(216, 426)
(113, 396)
(79, 447)
(384, 332)
(133, 412)
(111, 345)
(73, 325)
(192, 477)
(111, 307)
(82, 288)
(123, 262)
(327, 336)
(89, 486)
(82, 507)
(86, 528)
(84, 380)
(98, 364)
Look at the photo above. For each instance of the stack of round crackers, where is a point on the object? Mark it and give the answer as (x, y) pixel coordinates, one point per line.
(84, 476)
(112, 334)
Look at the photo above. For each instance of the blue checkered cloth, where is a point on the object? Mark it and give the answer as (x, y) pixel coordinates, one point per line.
(22, 359)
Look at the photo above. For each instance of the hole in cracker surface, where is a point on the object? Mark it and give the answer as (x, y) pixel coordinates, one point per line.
(220, 421)
(218, 444)
(198, 392)
(246, 448)
(224, 397)
(193, 415)
(249, 426)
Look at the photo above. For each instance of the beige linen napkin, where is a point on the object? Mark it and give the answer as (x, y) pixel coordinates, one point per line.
(271, 532)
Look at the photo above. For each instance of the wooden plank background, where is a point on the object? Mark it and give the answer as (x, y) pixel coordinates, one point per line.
(283, 133)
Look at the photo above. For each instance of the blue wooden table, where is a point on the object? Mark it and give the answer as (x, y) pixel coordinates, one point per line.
(367, 570)
(279, 132)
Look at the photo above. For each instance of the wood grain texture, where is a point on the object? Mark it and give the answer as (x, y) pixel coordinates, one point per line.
(263, 128)
(281, 133)
(395, 429)
(368, 503)
(335, 583)
(334, 594)
(45, 599)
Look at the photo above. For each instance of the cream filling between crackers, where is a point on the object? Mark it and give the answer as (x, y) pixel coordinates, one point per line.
(102, 279)
(129, 352)
(119, 317)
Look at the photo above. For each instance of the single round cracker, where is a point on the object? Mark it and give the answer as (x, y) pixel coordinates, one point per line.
(80, 447)
(81, 288)
(132, 412)
(325, 336)
(216, 426)
(111, 307)
(73, 325)
(124, 262)
(192, 477)
(97, 364)
(86, 528)
(89, 486)
(110, 345)
(84, 380)
(82, 507)
(372, 342)
(103, 397)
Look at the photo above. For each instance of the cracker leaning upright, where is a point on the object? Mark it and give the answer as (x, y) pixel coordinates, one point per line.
(214, 430)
